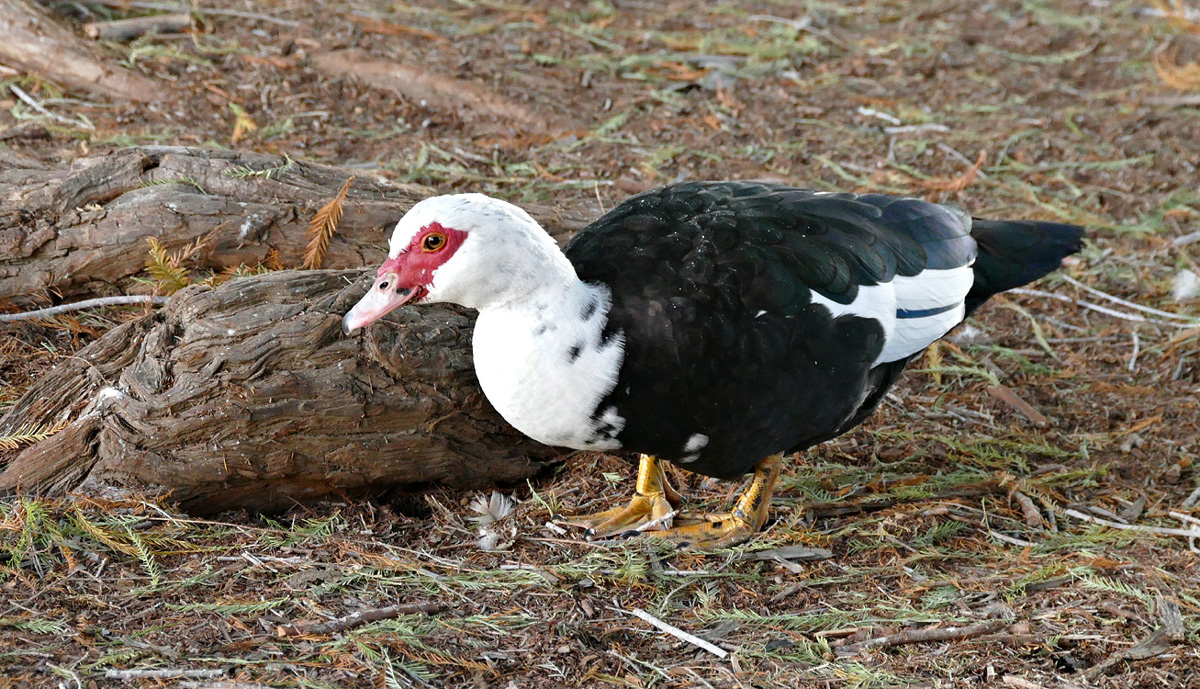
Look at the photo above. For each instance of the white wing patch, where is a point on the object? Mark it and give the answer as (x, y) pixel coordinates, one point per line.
(913, 311)
(928, 305)
(933, 289)
(877, 302)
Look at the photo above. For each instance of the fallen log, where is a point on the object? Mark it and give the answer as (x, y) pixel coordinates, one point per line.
(34, 43)
(247, 395)
(81, 230)
(470, 101)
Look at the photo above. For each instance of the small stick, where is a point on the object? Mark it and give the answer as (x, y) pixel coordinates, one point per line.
(1008, 396)
(916, 636)
(675, 631)
(953, 153)
(167, 673)
(85, 304)
(1190, 501)
(1164, 530)
(358, 619)
(32, 102)
(913, 128)
(1187, 519)
(665, 519)
(221, 685)
(872, 112)
(1137, 348)
(1128, 304)
(129, 29)
(183, 7)
(1012, 540)
(1102, 309)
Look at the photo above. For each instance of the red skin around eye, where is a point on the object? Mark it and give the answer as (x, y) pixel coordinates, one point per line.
(414, 266)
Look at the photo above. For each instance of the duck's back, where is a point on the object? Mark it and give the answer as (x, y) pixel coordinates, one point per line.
(759, 318)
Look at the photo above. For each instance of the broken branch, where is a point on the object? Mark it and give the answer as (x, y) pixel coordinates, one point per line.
(916, 636)
(359, 618)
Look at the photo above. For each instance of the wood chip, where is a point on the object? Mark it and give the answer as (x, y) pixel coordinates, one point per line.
(1006, 395)
(1033, 518)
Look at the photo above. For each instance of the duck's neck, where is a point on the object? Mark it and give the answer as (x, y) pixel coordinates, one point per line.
(545, 361)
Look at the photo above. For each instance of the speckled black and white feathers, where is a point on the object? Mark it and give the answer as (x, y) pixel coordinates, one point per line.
(759, 318)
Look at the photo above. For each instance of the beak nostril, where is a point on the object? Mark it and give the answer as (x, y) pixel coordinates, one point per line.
(383, 286)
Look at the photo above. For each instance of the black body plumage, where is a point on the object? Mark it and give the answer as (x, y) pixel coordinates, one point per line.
(712, 287)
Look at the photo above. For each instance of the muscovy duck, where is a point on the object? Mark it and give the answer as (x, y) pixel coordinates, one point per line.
(715, 325)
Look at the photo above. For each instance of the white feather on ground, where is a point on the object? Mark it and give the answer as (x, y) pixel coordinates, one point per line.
(489, 510)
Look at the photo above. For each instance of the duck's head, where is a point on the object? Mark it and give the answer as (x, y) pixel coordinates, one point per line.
(468, 249)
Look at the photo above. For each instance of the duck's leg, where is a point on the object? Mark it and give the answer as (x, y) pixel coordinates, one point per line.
(655, 498)
(726, 529)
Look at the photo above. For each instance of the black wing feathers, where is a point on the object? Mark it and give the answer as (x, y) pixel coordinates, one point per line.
(712, 287)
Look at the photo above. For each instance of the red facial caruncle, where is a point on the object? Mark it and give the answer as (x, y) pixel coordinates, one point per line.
(406, 277)
(416, 263)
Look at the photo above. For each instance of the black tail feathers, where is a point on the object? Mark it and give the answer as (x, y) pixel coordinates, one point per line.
(1016, 252)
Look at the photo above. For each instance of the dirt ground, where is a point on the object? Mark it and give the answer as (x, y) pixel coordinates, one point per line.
(970, 500)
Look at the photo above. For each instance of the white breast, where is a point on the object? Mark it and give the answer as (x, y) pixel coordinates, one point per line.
(543, 366)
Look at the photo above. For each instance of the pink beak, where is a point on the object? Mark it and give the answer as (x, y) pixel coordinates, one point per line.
(383, 298)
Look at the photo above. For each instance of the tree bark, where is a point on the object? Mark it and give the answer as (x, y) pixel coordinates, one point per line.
(81, 230)
(247, 395)
(31, 41)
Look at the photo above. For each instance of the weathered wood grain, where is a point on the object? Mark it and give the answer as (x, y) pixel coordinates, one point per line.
(81, 230)
(247, 395)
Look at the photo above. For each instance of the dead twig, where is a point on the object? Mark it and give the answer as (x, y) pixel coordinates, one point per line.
(85, 304)
(1192, 500)
(358, 619)
(1129, 304)
(917, 636)
(665, 520)
(955, 183)
(1163, 530)
(675, 631)
(35, 43)
(41, 109)
(129, 29)
(789, 552)
(164, 673)
(873, 503)
(1102, 309)
(1156, 643)
(393, 29)
(1008, 396)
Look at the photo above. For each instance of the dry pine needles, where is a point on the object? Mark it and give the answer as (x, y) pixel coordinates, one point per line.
(322, 227)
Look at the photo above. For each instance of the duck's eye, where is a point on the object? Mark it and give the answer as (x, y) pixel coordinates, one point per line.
(433, 241)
